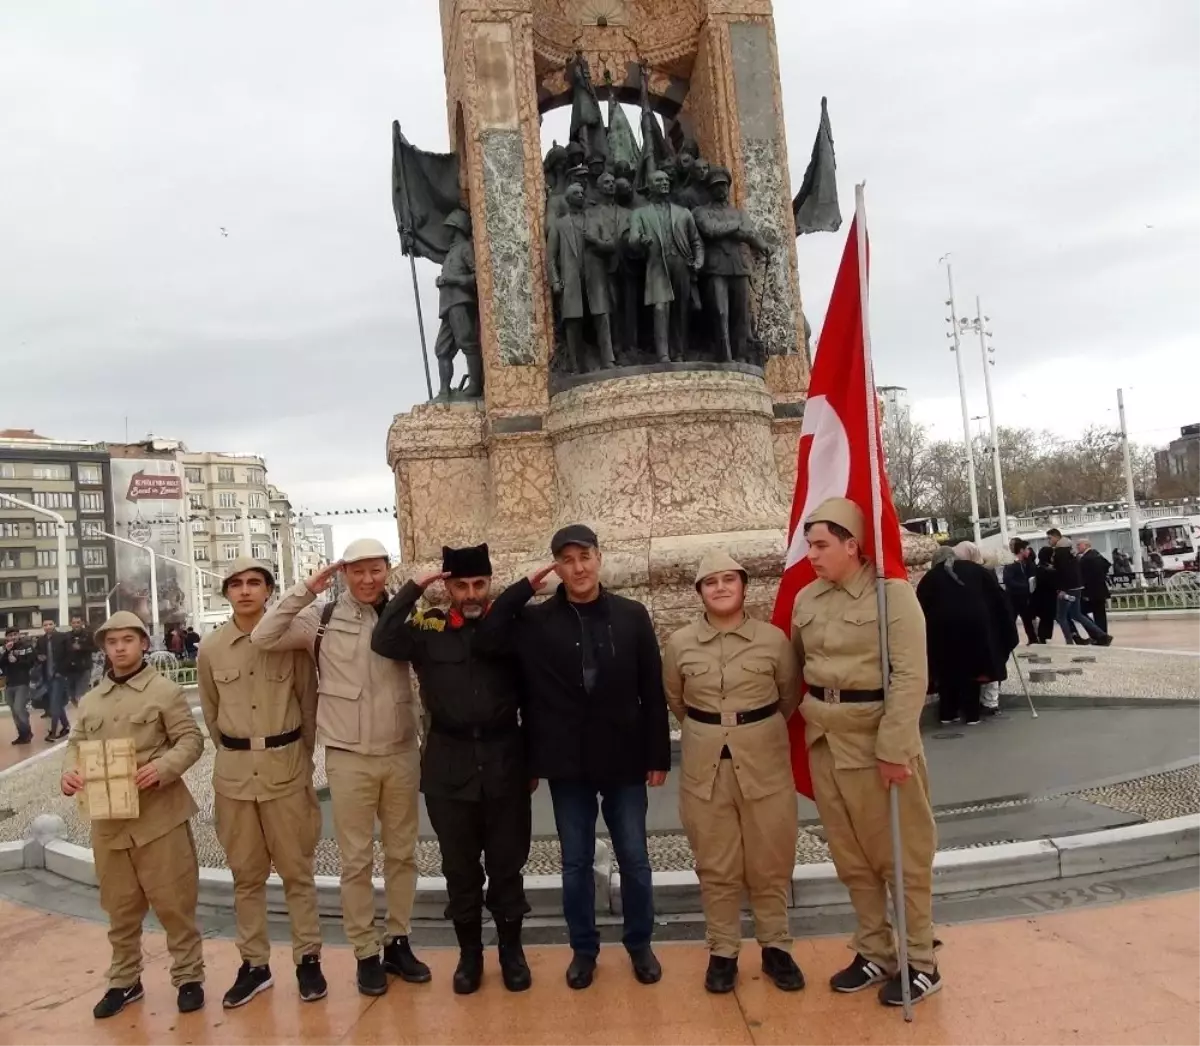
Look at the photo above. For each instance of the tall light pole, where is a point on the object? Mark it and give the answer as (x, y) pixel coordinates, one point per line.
(986, 353)
(987, 483)
(60, 532)
(962, 398)
(153, 578)
(1134, 523)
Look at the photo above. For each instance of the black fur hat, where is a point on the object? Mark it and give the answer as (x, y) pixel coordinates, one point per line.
(467, 562)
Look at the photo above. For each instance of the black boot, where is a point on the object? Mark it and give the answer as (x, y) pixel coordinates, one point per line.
(399, 961)
(469, 973)
(721, 975)
(445, 377)
(513, 967)
(474, 376)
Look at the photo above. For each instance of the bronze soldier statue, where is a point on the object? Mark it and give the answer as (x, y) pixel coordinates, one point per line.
(576, 258)
(666, 234)
(726, 276)
(458, 308)
(696, 192)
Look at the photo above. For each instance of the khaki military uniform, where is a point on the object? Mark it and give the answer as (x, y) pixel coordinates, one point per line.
(150, 861)
(835, 632)
(267, 811)
(367, 721)
(737, 800)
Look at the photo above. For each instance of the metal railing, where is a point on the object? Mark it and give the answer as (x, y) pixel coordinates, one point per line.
(1179, 592)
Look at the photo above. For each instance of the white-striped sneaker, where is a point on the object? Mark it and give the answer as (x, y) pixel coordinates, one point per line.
(921, 985)
(860, 974)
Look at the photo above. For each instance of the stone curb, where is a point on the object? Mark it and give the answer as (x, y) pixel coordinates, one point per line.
(678, 892)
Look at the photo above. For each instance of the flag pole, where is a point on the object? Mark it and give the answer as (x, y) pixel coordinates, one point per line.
(406, 247)
(860, 207)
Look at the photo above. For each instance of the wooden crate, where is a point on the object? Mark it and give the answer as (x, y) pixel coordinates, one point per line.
(108, 769)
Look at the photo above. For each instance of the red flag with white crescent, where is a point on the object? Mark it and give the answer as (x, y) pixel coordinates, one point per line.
(841, 420)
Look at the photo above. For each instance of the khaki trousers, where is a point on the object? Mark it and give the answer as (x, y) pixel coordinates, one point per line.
(853, 805)
(162, 875)
(742, 843)
(363, 787)
(255, 835)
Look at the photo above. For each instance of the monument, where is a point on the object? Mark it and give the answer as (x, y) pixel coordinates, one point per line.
(686, 437)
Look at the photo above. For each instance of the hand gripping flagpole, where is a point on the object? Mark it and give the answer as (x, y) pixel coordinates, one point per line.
(901, 916)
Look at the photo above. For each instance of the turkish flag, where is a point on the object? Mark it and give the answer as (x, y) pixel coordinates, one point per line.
(841, 421)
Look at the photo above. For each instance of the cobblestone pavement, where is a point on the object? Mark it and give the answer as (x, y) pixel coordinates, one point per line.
(1109, 672)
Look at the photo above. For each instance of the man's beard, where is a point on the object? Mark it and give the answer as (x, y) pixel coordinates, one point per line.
(472, 610)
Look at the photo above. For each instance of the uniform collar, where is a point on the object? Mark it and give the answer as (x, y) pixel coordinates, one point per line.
(139, 682)
(234, 630)
(854, 585)
(705, 632)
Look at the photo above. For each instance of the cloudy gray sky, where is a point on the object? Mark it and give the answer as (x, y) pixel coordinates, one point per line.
(1052, 148)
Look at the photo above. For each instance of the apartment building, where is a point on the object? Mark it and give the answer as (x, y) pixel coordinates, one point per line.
(283, 538)
(71, 478)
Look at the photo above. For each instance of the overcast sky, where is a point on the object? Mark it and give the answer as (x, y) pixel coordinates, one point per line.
(1053, 149)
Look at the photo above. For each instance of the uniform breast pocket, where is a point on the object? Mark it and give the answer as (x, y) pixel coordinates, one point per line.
(697, 680)
(225, 677)
(147, 731)
(280, 667)
(92, 726)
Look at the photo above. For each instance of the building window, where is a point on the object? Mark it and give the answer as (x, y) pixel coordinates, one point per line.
(8, 471)
(96, 585)
(48, 557)
(199, 526)
(46, 529)
(258, 526)
(193, 475)
(256, 477)
(227, 499)
(91, 502)
(225, 474)
(260, 551)
(10, 559)
(95, 556)
(10, 530)
(51, 471)
(200, 553)
(257, 501)
(91, 474)
(230, 552)
(53, 499)
(196, 502)
(227, 526)
(10, 590)
(92, 528)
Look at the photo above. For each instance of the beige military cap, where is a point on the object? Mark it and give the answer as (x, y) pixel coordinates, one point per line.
(718, 562)
(122, 619)
(364, 548)
(243, 564)
(842, 511)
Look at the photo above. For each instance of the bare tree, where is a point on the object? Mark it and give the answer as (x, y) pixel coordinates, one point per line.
(908, 466)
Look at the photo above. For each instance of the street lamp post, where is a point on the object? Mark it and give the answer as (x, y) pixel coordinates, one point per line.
(962, 398)
(987, 352)
(1130, 494)
(60, 531)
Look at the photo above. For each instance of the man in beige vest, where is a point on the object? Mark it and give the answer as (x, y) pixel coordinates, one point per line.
(731, 682)
(261, 712)
(148, 861)
(860, 747)
(366, 719)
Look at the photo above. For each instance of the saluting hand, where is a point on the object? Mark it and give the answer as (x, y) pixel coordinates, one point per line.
(426, 580)
(538, 578)
(72, 782)
(893, 773)
(323, 578)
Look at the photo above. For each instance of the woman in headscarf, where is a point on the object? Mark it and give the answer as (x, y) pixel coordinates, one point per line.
(969, 628)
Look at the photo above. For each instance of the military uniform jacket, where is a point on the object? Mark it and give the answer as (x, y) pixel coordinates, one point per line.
(460, 261)
(153, 711)
(835, 633)
(248, 692)
(728, 672)
(474, 747)
(723, 227)
(364, 701)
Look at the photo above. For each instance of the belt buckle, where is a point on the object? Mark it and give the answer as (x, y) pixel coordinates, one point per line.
(729, 719)
(833, 695)
(258, 744)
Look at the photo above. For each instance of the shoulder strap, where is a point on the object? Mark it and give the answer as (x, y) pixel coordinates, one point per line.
(326, 614)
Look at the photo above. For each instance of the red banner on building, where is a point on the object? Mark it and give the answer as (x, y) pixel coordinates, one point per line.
(144, 487)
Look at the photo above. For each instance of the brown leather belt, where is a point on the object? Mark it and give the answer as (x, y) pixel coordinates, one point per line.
(755, 715)
(845, 697)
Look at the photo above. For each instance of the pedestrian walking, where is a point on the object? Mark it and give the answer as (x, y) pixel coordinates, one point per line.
(80, 648)
(1093, 569)
(859, 748)
(1018, 586)
(597, 732)
(16, 664)
(473, 773)
(260, 707)
(1044, 602)
(970, 633)
(52, 653)
(731, 682)
(148, 862)
(1070, 593)
(367, 721)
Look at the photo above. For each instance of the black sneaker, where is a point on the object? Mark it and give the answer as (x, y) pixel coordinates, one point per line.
(23, 740)
(920, 984)
(190, 997)
(398, 959)
(311, 979)
(646, 967)
(581, 971)
(372, 977)
(250, 981)
(116, 999)
(860, 974)
(721, 975)
(781, 970)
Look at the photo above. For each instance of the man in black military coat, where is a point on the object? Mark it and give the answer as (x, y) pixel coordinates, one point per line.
(473, 772)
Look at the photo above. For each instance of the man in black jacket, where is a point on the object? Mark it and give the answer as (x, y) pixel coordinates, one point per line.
(80, 647)
(16, 662)
(1070, 593)
(473, 772)
(52, 654)
(1018, 576)
(1093, 569)
(597, 731)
